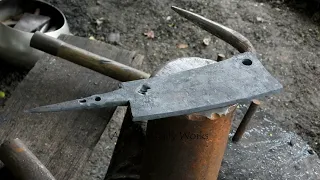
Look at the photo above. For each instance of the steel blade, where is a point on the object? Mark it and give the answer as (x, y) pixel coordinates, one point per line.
(238, 79)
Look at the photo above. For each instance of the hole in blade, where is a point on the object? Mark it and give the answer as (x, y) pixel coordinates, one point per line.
(82, 101)
(97, 98)
(247, 62)
(143, 90)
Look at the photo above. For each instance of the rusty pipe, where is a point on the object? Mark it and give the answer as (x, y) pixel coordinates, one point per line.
(186, 147)
(232, 37)
(189, 147)
(23, 164)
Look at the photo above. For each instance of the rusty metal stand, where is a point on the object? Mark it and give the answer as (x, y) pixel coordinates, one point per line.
(186, 147)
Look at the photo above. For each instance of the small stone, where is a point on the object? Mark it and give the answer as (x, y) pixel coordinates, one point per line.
(92, 38)
(206, 41)
(168, 18)
(182, 46)
(114, 38)
(99, 21)
(259, 19)
(149, 34)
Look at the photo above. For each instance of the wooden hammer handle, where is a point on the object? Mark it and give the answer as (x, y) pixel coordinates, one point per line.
(85, 58)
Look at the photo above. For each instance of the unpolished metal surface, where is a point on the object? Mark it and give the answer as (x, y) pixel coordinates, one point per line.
(184, 64)
(31, 22)
(15, 45)
(238, 79)
(267, 152)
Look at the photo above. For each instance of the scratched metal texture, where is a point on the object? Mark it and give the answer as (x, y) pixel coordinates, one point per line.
(209, 87)
(267, 152)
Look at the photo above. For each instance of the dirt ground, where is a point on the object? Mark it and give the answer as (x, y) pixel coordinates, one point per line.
(285, 34)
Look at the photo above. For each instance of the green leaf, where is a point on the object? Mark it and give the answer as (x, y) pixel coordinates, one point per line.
(2, 94)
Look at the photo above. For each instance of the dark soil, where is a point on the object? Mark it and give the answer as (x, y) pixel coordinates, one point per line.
(285, 34)
(9, 78)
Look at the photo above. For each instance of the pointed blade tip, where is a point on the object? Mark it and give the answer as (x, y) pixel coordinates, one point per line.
(176, 9)
(40, 109)
(27, 111)
(34, 110)
(186, 14)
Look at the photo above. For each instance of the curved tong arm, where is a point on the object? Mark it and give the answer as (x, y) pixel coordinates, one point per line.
(235, 39)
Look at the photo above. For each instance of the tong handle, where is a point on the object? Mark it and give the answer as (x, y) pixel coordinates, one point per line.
(85, 58)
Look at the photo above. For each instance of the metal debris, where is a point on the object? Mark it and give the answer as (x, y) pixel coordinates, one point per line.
(31, 22)
(259, 19)
(45, 27)
(9, 22)
(52, 28)
(9, 9)
(206, 41)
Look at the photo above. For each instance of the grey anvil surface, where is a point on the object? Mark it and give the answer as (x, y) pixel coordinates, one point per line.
(238, 79)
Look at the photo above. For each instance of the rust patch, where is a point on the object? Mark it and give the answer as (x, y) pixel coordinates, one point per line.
(196, 152)
(214, 115)
(19, 149)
